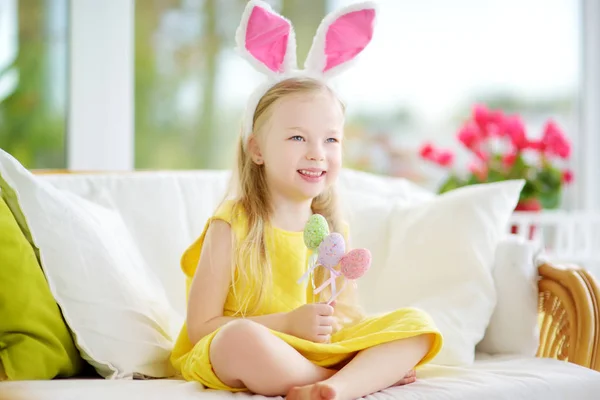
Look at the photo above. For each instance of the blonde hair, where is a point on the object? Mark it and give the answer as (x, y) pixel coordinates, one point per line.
(250, 259)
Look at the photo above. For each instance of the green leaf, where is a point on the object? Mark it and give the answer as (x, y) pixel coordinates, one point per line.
(453, 182)
(496, 175)
(548, 185)
(529, 191)
(551, 200)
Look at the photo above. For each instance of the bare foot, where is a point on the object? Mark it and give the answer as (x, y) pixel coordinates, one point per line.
(318, 391)
(410, 377)
(325, 391)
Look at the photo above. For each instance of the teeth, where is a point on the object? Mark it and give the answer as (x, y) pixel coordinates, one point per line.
(311, 173)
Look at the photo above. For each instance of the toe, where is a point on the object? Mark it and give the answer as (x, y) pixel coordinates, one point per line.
(326, 392)
(292, 394)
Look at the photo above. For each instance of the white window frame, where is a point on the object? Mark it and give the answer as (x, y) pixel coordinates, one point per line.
(587, 145)
(9, 80)
(100, 134)
(101, 111)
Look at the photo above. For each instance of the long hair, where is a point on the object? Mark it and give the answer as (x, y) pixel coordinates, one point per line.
(251, 197)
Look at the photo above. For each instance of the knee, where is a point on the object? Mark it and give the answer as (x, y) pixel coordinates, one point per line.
(238, 337)
(426, 340)
(423, 343)
(241, 330)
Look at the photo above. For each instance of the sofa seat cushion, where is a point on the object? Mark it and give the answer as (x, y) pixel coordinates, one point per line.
(490, 378)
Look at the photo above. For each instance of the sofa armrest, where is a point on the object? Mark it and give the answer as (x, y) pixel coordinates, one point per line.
(569, 315)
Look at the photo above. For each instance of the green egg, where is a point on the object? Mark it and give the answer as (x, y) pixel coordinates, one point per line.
(315, 231)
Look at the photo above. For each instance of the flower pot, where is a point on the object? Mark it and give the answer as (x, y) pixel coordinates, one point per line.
(529, 205)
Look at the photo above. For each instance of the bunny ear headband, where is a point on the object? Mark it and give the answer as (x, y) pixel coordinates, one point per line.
(267, 41)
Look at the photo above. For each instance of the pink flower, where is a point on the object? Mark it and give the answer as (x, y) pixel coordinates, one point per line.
(508, 159)
(481, 115)
(479, 170)
(445, 158)
(482, 155)
(427, 151)
(536, 145)
(497, 118)
(515, 130)
(488, 121)
(554, 141)
(567, 176)
(469, 135)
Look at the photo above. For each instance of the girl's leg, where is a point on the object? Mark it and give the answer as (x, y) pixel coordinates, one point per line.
(246, 354)
(371, 370)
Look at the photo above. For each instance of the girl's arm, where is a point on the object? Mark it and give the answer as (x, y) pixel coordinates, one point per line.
(210, 286)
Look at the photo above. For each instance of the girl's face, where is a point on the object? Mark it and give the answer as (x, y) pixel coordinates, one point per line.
(301, 145)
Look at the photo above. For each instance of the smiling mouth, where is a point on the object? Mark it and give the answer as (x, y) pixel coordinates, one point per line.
(311, 174)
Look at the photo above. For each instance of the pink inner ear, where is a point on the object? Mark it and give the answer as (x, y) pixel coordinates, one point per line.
(267, 38)
(348, 36)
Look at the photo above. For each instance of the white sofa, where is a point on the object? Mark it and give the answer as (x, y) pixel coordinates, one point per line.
(165, 211)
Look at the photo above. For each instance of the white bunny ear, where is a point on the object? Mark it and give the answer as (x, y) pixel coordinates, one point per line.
(341, 36)
(266, 39)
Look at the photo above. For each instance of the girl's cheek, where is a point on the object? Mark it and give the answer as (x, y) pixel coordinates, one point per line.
(335, 156)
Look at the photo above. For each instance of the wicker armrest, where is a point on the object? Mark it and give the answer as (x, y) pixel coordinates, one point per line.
(569, 315)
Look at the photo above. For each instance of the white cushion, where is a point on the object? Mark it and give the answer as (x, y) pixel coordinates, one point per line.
(368, 201)
(513, 327)
(440, 259)
(369, 227)
(164, 211)
(358, 183)
(116, 308)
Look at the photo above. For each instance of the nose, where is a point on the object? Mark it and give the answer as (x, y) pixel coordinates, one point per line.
(315, 153)
(315, 158)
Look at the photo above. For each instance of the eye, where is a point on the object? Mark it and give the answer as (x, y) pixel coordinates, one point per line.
(297, 138)
(332, 140)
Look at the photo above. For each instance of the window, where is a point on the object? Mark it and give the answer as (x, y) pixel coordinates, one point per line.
(184, 90)
(33, 81)
(429, 62)
(190, 85)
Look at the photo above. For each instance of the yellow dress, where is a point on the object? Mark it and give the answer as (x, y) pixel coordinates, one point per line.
(289, 262)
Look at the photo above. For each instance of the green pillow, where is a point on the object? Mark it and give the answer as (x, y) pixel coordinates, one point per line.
(12, 201)
(35, 342)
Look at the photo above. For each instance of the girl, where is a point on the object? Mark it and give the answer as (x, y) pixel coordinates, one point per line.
(250, 325)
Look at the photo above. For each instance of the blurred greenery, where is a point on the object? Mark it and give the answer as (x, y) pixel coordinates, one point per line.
(32, 124)
(175, 62)
(170, 61)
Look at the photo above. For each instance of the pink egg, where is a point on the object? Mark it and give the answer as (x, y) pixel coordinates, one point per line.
(331, 250)
(355, 263)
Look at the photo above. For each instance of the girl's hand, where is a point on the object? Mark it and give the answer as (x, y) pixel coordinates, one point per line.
(314, 322)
